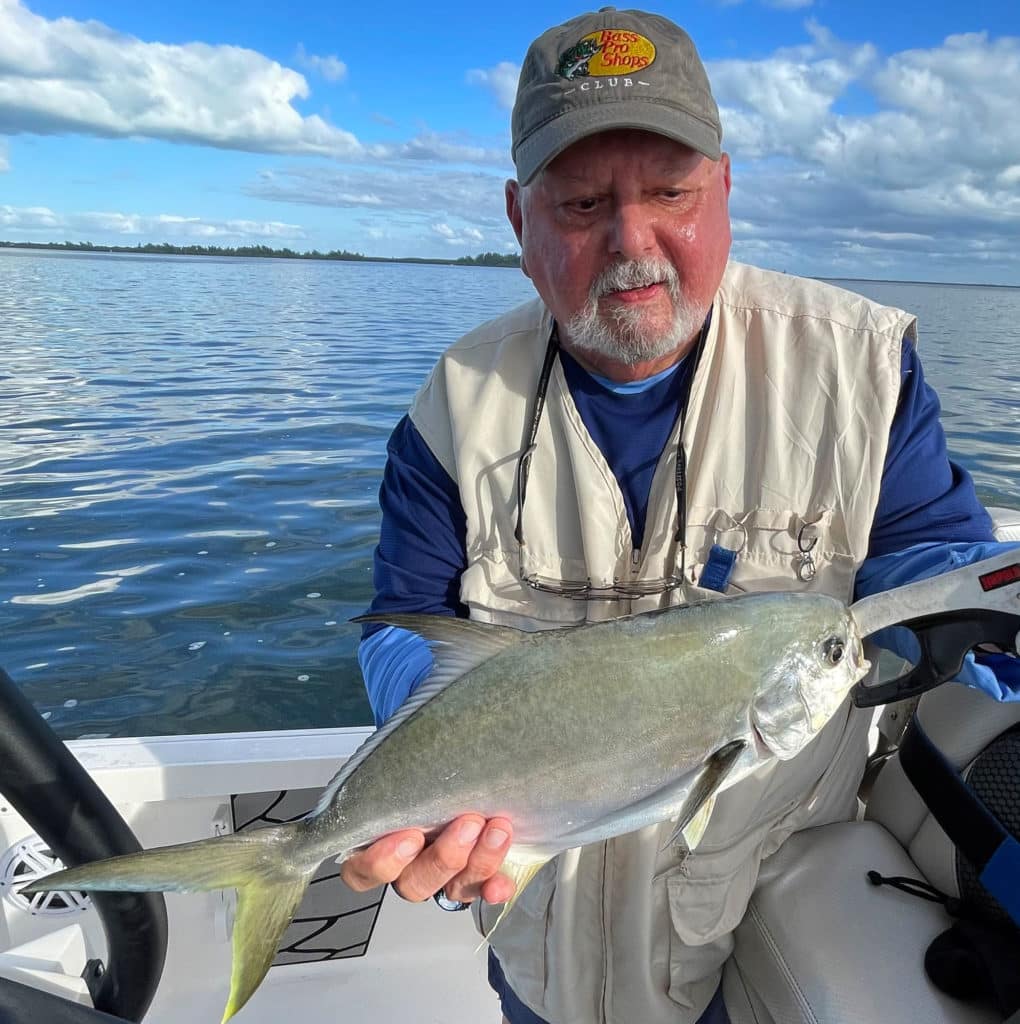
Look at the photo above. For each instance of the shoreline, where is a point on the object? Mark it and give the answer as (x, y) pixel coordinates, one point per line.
(487, 259)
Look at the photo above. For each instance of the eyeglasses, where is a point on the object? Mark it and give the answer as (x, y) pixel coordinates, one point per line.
(621, 590)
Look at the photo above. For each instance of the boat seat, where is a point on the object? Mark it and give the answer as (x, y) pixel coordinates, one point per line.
(1006, 522)
(819, 943)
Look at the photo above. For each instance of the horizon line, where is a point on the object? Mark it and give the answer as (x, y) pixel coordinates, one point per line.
(341, 256)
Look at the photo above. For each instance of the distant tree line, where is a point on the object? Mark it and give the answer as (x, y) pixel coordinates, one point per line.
(491, 259)
(485, 259)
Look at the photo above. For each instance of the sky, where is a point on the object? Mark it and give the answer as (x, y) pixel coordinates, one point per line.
(868, 139)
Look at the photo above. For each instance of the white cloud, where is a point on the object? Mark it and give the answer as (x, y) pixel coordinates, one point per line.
(501, 80)
(779, 105)
(433, 147)
(460, 237)
(29, 218)
(331, 68)
(56, 77)
(145, 228)
(472, 196)
(840, 151)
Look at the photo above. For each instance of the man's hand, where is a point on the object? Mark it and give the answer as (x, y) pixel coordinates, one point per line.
(463, 860)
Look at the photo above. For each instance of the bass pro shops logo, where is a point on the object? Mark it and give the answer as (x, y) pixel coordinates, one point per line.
(609, 51)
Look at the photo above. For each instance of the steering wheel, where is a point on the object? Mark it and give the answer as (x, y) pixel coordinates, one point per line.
(53, 793)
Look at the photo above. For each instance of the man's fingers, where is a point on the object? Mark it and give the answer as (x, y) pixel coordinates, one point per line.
(464, 859)
(441, 860)
(479, 877)
(383, 861)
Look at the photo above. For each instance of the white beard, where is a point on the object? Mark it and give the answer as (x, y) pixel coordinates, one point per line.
(622, 335)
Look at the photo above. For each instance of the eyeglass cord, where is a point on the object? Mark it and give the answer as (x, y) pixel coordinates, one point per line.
(524, 465)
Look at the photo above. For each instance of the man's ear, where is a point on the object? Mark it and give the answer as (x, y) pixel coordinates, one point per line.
(515, 214)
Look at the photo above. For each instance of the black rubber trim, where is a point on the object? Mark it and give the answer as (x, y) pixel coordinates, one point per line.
(59, 800)
(20, 1004)
(945, 639)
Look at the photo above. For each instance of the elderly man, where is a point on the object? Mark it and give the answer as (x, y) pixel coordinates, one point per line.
(661, 425)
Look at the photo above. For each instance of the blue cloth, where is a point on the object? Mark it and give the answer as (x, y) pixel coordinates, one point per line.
(924, 496)
(517, 1013)
(631, 425)
(995, 674)
(421, 515)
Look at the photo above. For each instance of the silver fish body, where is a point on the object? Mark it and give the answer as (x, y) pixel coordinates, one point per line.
(576, 735)
(571, 728)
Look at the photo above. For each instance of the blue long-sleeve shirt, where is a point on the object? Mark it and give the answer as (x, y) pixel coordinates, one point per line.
(925, 500)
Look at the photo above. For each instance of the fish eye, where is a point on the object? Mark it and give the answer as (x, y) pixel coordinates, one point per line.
(833, 650)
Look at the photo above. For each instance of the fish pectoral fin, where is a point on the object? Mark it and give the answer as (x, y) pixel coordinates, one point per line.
(693, 832)
(521, 870)
(700, 803)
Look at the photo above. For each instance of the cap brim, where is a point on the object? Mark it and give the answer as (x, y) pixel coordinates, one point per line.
(546, 143)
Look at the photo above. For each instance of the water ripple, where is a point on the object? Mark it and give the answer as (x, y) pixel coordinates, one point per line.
(191, 449)
(190, 457)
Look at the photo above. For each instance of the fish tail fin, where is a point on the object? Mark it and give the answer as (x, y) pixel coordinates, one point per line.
(265, 907)
(265, 866)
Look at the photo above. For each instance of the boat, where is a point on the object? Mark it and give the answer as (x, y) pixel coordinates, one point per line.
(816, 945)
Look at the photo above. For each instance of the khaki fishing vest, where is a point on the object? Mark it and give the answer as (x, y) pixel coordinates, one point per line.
(786, 437)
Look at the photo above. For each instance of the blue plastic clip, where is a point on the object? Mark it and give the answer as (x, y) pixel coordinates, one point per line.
(718, 569)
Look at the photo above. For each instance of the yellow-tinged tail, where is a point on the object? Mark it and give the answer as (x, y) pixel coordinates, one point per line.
(264, 867)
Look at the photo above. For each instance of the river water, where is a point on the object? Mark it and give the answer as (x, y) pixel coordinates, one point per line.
(190, 455)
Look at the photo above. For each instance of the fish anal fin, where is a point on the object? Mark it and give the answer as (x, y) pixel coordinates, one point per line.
(521, 870)
(698, 807)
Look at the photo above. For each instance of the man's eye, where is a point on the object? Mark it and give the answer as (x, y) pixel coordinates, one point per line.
(584, 205)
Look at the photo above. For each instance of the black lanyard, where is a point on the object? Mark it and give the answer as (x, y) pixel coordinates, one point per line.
(524, 464)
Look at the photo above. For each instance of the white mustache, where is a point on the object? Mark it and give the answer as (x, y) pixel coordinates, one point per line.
(621, 277)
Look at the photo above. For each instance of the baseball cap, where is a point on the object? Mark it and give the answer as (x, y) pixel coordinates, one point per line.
(611, 69)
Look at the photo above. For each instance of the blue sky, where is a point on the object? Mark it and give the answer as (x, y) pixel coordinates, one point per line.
(868, 139)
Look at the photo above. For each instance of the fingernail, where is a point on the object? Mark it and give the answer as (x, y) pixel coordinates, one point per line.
(469, 832)
(408, 848)
(495, 838)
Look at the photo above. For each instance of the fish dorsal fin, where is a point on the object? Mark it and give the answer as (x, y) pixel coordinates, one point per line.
(457, 646)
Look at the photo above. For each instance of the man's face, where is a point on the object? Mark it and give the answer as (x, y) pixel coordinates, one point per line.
(625, 236)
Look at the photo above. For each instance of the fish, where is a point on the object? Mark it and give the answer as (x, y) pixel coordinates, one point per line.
(576, 734)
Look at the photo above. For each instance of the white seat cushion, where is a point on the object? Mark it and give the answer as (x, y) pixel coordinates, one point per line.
(1005, 523)
(821, 945)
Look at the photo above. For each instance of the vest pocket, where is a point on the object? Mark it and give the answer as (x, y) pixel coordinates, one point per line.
(777, 549)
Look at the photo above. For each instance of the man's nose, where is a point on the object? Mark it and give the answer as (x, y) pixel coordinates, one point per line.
(632, 232)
